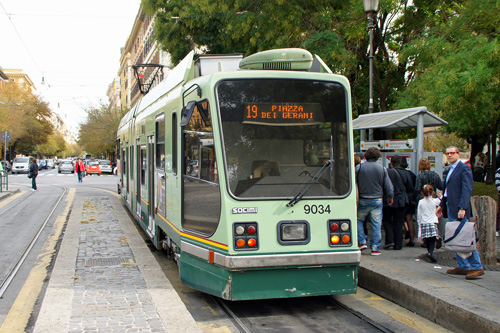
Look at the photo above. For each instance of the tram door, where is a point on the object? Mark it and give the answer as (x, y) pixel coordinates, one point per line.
(138, 177)
(151, 185)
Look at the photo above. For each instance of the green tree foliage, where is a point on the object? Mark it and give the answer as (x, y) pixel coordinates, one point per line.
(458, 74)
(97, 136)
(335, 30)
(54, 146)
(26, 117)
(441, 54)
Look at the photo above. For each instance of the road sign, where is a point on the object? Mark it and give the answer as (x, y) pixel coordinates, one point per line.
(5, 136)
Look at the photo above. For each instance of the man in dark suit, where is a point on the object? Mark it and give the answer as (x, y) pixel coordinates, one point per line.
(456, 206)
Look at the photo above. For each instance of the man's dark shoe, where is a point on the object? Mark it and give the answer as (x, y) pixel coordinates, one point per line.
(410, 244)
(474, 274)
(458, 271)
(388, 246)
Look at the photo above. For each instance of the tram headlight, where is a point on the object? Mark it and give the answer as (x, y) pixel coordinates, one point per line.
(293, 232)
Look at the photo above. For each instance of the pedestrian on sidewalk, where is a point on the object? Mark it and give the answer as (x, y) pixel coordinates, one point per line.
(393, 216)
(428, 220)
(456, 206)
(79, 169)
(33, 173)
(412, 204)
(373, 182)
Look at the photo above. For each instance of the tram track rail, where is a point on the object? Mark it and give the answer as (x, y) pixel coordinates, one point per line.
(18, 264)
(239, 322)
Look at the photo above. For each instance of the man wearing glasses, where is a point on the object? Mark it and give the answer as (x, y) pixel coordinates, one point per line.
(456, 206)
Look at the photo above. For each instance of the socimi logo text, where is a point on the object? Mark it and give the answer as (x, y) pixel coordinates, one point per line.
(246, 210)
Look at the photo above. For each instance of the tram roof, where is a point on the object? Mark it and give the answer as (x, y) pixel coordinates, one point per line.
(397, 119)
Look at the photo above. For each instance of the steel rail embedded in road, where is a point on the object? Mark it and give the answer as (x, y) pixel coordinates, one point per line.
(236, 321)
(6, 283)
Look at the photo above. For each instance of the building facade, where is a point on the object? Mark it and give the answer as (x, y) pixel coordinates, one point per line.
(141, 48)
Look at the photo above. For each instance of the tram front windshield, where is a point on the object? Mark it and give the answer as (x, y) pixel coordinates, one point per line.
(280, 135)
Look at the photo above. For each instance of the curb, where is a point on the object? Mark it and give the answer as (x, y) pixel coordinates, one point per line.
(452, 311)
(6, 194)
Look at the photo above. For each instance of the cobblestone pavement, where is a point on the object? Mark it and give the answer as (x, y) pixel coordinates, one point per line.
(110, 292)
(105, 278)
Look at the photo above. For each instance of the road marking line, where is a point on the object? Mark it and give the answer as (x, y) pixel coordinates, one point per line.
(21, 310)
(11, 198)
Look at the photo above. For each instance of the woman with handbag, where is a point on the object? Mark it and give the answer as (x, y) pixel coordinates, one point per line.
(33, 173)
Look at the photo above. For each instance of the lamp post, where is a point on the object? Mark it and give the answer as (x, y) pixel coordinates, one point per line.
(371, 8)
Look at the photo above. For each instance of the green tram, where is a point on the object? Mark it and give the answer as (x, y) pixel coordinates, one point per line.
(242, 170)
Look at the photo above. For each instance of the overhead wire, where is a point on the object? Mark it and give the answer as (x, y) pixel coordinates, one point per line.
(21, 38)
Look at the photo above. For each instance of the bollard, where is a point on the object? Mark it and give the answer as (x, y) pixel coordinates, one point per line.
(484, 210)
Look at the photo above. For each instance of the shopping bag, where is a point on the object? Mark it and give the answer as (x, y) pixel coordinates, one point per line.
(460, 236)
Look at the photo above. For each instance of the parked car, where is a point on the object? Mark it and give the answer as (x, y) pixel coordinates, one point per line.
(51, 164)
(192, 168)
(6, 165)
(65, 166)
(21, 165)
(93, 167)
(106, 166)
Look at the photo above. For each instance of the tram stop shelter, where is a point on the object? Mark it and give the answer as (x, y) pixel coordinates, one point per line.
(418, 117)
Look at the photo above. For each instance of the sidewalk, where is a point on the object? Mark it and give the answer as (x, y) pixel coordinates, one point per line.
(106, 279)
(459, 305)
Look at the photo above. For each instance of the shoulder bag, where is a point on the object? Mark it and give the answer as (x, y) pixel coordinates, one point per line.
(460, 236)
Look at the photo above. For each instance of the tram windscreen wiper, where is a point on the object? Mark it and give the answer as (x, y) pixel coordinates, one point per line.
(303, 191)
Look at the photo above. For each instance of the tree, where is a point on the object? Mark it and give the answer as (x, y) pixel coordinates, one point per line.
(459, 72)
(97, 135)
(26, 116)
(54, 146)
(335, 30)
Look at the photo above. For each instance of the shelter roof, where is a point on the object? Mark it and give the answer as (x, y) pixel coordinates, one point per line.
(397, 119)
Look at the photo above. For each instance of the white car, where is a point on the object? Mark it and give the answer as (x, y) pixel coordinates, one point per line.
(106, 166)
(21, 165)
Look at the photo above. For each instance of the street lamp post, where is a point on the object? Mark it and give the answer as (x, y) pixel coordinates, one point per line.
(371, 8)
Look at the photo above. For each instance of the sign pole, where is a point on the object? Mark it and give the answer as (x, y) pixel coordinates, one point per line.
(5, 146)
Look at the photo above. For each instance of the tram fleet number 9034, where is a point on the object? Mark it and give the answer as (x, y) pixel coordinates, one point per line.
(241, 169)
(317, 209)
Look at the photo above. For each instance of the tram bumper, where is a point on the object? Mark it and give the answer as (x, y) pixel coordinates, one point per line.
(269, 276)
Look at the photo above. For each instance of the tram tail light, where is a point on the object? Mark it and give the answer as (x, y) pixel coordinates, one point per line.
(339, 233)
(245, 236)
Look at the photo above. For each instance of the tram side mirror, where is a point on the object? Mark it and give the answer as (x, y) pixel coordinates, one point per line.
(187, 112)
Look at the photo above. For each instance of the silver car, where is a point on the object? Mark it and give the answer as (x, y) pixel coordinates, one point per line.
(65, 166)
(106, 166)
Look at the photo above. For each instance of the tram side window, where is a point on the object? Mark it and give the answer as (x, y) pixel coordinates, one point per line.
(143, 165)
(160, 142)
(202, 200)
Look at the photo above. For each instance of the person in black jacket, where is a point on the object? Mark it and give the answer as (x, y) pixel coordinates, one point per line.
(426, 176)
(393, 216)
(412, 204)
(33, 173)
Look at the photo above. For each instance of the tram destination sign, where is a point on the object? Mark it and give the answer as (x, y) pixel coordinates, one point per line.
(283, 113)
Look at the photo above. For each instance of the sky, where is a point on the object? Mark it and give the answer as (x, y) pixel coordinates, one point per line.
(73, 45)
